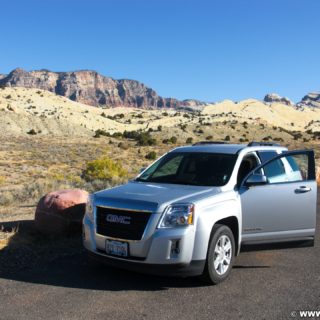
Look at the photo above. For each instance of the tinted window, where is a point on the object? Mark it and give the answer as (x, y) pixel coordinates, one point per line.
(298, 167)
(266, 155)
(287, 169)
(202, 169)
(274, 169)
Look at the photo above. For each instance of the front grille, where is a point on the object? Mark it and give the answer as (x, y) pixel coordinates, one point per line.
(121, 223)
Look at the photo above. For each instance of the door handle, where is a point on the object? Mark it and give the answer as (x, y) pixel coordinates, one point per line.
(302, 189)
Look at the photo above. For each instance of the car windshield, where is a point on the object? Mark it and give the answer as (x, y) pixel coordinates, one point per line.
(190, 168)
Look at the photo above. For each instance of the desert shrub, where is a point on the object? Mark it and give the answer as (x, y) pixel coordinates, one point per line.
(165, 114)
(101, 132)
(32, 132)
(189, 140)
(173, 139)
(297, 135)
(142, 138)
(104, 169)
(8, 96)
(151, 155)
(209, 137)
(123, 146)
(227, 138)
(6, 198)
(117, 134)
(159, 128)
(183, 127)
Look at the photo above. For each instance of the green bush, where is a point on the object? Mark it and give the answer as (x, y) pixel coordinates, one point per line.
(101, 132)
(103, 169)
(151, 155)
(189, 140)
(142, 138)
(173, 140)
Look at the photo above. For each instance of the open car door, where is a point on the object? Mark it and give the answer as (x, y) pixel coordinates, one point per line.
(278, 200)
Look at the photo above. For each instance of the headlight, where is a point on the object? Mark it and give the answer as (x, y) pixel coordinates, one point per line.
(89, 207)
(177, 215)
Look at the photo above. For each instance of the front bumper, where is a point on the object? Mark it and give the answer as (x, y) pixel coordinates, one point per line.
(163, 252)
(195, 268)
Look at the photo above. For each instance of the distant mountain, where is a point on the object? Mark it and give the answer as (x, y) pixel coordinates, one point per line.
(92, 88)
(273, 97)
(2, 76)
(312, 99)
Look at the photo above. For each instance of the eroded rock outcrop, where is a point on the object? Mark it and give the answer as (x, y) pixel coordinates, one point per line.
(92, 88)
(275, 98)
(312, 99)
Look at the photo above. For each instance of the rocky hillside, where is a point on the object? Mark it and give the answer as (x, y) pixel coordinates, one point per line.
(310, 100)
(91, 88)
(41, 112)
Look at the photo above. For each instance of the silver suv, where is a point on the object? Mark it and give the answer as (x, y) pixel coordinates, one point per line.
(194, 209)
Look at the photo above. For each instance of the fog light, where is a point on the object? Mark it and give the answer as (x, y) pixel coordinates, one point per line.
(175, 248)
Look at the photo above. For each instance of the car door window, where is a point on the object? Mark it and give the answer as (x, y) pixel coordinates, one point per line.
(298, 167)
(287, 169)
(275, 171)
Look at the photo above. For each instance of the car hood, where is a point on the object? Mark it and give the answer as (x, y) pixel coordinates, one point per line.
(151, 196)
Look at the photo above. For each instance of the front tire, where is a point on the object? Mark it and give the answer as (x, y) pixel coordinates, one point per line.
(220, 256)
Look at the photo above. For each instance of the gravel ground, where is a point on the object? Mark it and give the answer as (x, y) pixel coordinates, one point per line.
(52, 279)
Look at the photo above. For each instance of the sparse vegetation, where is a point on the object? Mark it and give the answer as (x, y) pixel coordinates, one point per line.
(32, 132)
(104, 169)
(152, 155)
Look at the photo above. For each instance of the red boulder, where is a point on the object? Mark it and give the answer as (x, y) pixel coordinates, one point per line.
(61, 211)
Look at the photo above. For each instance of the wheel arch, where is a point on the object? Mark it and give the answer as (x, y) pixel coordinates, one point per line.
(232, 223)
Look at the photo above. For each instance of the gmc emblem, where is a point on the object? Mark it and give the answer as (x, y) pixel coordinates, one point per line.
(118, 219)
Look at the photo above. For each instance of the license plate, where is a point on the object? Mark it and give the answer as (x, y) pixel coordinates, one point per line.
(117, 248)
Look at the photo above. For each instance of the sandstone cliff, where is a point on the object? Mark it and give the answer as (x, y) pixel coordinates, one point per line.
(92, 88)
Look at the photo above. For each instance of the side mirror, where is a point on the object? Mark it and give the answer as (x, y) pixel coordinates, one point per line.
(256, 180)
(142, 169)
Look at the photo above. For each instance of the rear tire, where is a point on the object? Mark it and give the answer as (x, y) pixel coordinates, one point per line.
(220, 256)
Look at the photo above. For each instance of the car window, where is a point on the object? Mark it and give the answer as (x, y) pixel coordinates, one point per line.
(287, 169)
(169, 168)
(248, 163)
(193, 168)
(298, 167)
(266, 155)
(275, 171)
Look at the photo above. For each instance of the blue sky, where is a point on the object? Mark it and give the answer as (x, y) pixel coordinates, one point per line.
(204, 49)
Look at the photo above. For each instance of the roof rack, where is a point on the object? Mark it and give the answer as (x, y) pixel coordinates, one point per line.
(208, 142)
(264, 144)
